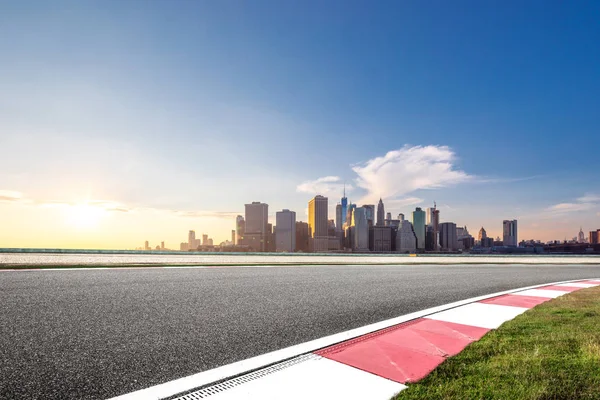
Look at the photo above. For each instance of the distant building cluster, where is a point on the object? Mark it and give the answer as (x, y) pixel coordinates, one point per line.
(369, 229)
(194, 244)
(361, 229)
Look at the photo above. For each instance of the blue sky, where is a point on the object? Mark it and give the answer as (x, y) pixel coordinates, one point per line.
(200, 107)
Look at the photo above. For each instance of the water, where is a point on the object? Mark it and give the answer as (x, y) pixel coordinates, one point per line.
(102, 257)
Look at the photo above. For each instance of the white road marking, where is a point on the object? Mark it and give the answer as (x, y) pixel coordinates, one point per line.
(580, 285)
(315, 378)
(550, 294)
(489, 316)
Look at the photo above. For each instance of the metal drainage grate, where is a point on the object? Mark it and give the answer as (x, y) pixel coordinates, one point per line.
(231, 383)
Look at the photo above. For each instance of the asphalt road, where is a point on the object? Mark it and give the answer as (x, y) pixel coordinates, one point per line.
(93, 334)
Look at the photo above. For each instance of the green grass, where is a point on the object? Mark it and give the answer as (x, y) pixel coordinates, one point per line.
(550, 352)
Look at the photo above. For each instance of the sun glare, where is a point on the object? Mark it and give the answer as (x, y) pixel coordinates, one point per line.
(85, 216)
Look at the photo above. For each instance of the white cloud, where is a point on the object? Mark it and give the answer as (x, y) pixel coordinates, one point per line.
(408, 169)
(584, 203)
(327, 186)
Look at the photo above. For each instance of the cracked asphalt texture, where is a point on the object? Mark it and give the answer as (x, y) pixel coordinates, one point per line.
(94, 334)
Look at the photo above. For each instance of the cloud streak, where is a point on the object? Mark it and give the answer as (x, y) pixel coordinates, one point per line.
(327, 185)
(11, 196)
(584, 203)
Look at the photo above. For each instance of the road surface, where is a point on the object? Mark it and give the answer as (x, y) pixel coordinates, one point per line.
(94, 334)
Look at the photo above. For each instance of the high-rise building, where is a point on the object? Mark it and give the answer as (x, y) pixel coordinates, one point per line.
(419, 227)
(302, 237)
(204, 240)
(240, 227)
(146, 245)
(351, 207)
(317, 223)
(162, 245)
(435, 226)
(448, 239)
(370, 213)
(429, 218)
(388, 219)
(509, 232)
(482, 234)
(338, 217)
(233, 236)
(360, 229)
(380, 239)
(192, 239)
(581, 236)
(285, 231)
(256, 223)
(344, 207)
(380, 213)
(270, 239)
(406, 240)
(594, 237)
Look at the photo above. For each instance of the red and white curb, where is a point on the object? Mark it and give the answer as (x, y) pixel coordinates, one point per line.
(373, 362)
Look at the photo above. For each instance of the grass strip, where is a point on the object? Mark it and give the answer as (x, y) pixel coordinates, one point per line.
(550, 352)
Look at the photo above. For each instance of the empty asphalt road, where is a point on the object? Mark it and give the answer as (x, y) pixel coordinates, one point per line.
(93, 334)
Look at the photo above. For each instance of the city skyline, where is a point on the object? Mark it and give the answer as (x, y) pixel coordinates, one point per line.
(120, 124)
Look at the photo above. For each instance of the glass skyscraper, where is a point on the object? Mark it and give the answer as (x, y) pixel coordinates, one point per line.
(419, 227)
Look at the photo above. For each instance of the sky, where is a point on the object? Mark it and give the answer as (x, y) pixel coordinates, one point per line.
(124, 121)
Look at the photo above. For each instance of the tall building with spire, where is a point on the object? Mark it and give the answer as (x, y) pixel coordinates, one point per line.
(581, 236)
(344, 204)
(380, 213)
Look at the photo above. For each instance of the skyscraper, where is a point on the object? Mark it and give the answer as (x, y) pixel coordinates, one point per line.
(406, 241)
(380, 213)
(448, 238)
(370, 213)
(429, 216)
(302, 236)
(191, 239)
(419, 227)
(233, 236)
(285, 231)
(338, 217)
(360, 230)
(482, 234)
(435, 225)
(240, 227)
(317, 223)
(344, 207)
(580, 236)
(256, 222)
(204, 240)
(509, 229)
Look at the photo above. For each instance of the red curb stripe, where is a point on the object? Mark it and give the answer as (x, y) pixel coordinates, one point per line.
(516, 301)
(408, 353)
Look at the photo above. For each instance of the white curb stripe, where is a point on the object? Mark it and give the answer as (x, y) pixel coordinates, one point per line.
(550, 294)
(579, 285)
(315, 378)
(205, 378)
(483, 315)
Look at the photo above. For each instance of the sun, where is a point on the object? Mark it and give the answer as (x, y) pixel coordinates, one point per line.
(84, 216)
